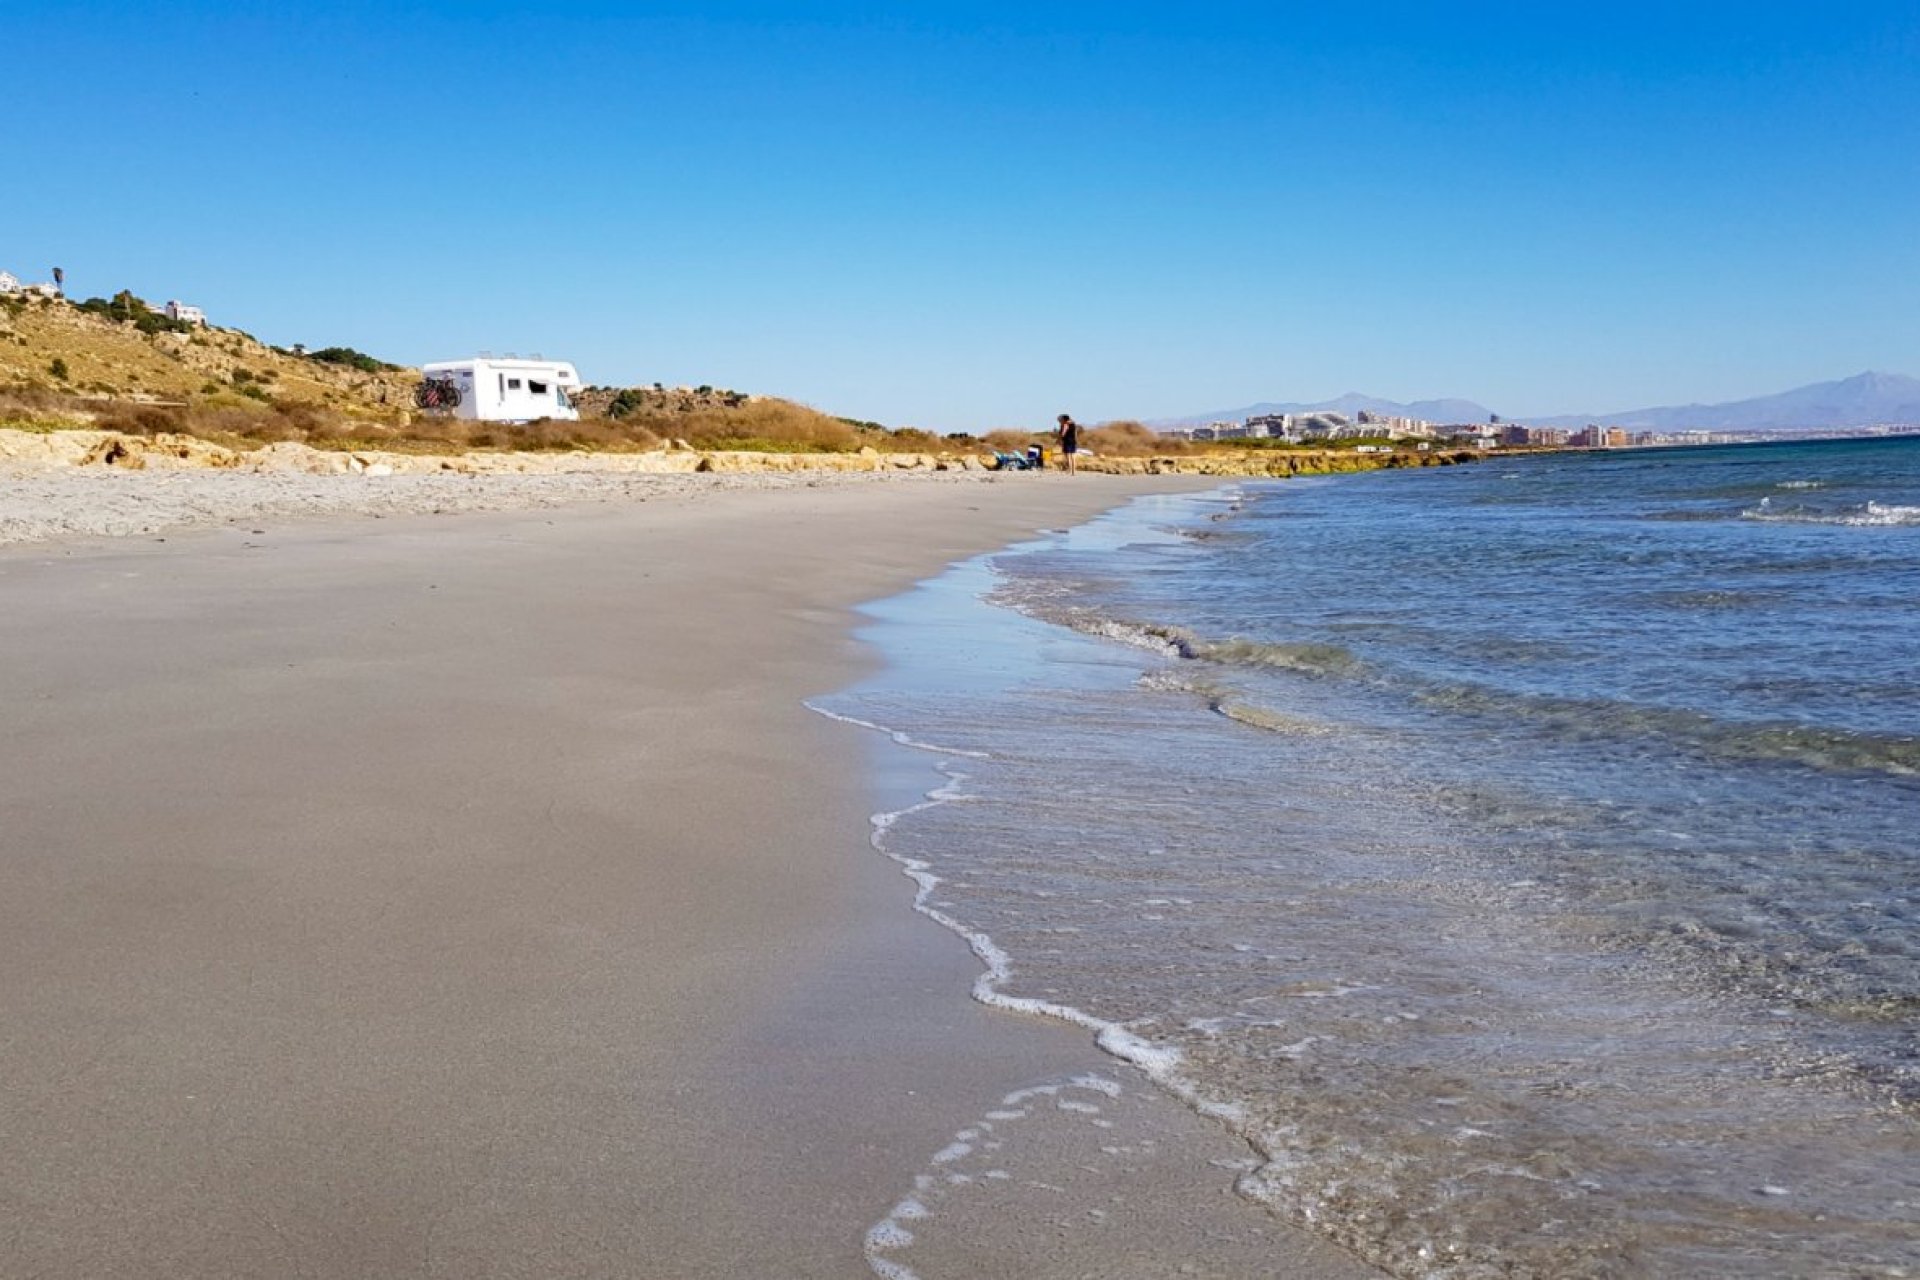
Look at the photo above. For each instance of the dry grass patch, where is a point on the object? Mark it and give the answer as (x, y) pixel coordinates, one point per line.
(1129, 439)
(118, 358)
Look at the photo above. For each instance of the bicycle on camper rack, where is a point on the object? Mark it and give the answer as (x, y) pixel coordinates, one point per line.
(437, 393)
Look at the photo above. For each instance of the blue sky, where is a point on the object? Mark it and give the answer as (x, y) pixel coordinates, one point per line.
(973, 215)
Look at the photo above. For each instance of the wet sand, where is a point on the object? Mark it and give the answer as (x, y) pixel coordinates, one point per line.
(473, 896)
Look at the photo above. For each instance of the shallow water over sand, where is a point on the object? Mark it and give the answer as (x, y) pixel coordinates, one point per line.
(1514, 942)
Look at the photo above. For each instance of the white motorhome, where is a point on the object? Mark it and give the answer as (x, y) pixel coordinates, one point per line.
(507, 389)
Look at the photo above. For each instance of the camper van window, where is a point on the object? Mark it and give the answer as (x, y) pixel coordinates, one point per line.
(536, 388)
(513, 384)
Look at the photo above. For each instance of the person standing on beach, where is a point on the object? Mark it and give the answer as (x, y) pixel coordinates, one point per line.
(1069, 437)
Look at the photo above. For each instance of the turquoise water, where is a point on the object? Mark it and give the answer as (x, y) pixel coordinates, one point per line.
(1521, 856)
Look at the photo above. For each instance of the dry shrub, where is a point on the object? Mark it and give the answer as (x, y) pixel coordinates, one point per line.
(598, 434)
(26, 400)
(1128, 439)
(716, 421)
(448, 435)
(715, 418)
(231, 424)
(236, 425)
(456, 435)
(31, 408)
(778, 425)
(307, 419)
(774, 425)
(1008, 440)
(907, 440)
(134, 419)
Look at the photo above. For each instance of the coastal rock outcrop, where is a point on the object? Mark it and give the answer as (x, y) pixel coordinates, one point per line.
(131, 452)
(112, 449)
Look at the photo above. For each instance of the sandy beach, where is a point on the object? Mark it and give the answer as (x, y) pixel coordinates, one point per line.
(41, 503)
(475, 896)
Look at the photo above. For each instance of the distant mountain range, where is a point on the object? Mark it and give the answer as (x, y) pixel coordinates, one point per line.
(1864, 400)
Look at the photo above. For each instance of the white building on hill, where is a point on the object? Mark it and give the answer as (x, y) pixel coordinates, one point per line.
(9, 283)
(182, 312)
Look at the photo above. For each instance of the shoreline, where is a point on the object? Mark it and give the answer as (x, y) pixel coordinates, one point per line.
(82, 482)
(477, 897)
(1129, 1167)
(1202, 851)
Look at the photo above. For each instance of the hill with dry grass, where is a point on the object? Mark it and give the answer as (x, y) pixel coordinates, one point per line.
(118, 365)
(114, 365)
(58, 349)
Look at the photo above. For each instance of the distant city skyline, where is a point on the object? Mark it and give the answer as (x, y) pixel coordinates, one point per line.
(970, 216)
(1864, 399)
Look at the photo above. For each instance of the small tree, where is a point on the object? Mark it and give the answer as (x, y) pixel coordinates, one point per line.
(58, 368)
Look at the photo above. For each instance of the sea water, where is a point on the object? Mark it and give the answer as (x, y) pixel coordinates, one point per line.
(1523, 857)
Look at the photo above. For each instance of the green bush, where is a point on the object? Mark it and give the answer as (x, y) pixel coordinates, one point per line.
(125, 308)
(629, 400)
(153, 322)
(58, 368)
(352, 359)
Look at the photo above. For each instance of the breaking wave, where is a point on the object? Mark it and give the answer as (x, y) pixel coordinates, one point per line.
(1184, 643)
(1232, 706)
(1566, 719)
(1868, 513)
